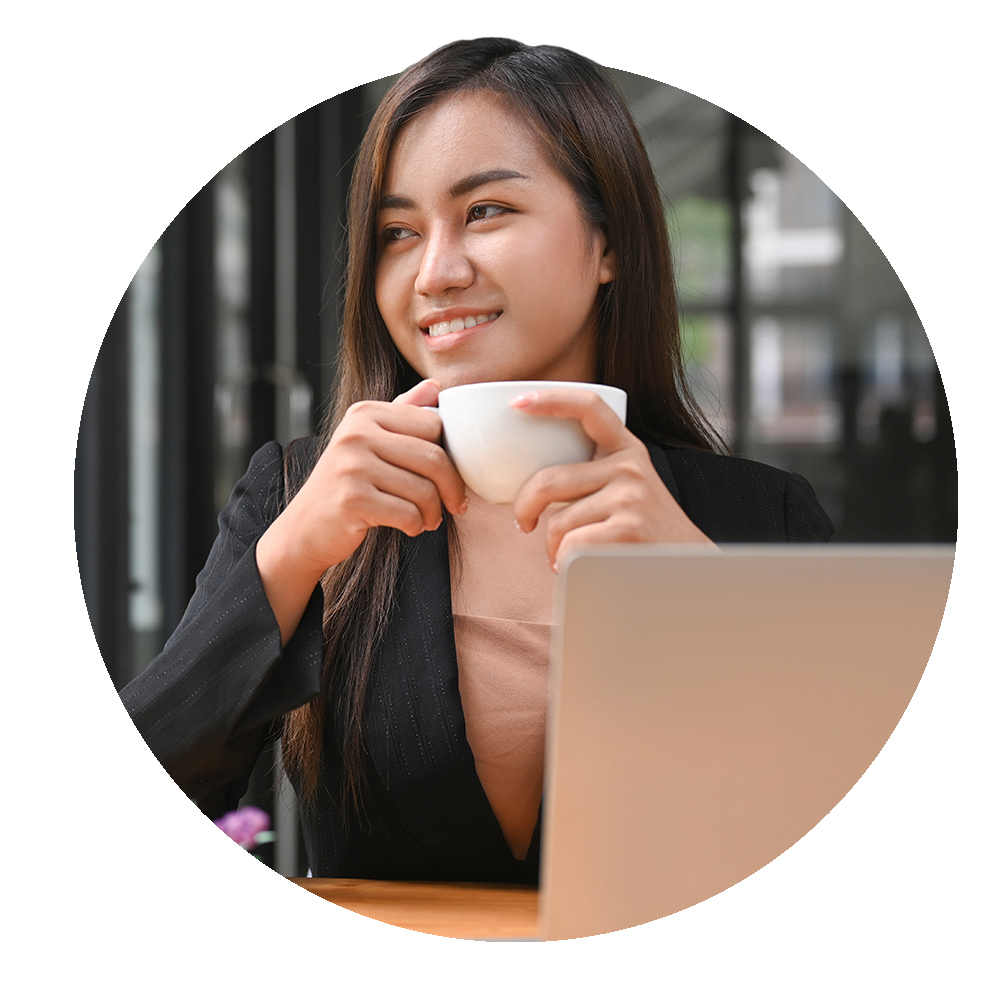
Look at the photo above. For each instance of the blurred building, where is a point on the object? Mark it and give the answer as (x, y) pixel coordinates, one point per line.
(804, 349)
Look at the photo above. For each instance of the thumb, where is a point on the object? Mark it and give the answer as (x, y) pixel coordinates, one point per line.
(422, 394)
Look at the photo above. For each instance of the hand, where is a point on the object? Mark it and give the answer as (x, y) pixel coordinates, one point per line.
(384, 465)
(616, 497)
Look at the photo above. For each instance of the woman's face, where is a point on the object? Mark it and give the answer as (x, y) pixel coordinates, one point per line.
(486, 268)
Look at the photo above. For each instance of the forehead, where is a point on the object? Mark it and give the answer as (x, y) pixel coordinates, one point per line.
(463, 133)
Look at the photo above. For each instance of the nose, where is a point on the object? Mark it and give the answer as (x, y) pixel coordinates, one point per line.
(444, 265)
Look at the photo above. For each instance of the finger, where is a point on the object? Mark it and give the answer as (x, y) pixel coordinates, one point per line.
(414, 421)
(422, 394)
(600, 533)
(393, 511)
(405, 436)
(597, 509)
(600, 423)
(417, 491)
(427, 460)
(610, 518)
(558, 484)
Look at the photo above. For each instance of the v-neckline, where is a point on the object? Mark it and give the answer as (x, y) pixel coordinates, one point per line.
(415, 725)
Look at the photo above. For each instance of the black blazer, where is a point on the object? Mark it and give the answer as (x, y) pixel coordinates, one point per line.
(209, 703)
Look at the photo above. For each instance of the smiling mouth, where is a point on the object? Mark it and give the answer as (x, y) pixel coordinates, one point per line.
(457, 325)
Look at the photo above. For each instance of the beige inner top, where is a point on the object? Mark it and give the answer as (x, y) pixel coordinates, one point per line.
(502, 605)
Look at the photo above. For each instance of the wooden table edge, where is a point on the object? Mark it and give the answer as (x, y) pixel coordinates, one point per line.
(466, 910)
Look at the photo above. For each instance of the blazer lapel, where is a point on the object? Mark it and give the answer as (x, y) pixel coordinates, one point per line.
(415, 726)
(658, 456)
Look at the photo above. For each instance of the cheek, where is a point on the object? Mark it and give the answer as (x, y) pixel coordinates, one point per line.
(393, 305)
(564, 262)
(566, 289)
(387, 293)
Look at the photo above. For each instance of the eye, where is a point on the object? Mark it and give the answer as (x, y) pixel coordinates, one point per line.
(393, 234)
(479, 212)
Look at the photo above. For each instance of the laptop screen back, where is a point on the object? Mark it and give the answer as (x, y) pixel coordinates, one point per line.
(709, 706)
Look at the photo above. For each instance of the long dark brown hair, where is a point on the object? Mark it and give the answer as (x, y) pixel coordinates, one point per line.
(582, 121)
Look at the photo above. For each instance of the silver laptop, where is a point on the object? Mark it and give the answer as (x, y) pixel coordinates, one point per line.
(709, 707)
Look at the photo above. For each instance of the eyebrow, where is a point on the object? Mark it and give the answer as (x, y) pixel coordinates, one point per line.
(464, 186)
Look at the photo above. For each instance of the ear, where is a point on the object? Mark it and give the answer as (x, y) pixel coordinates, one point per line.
(608, 267)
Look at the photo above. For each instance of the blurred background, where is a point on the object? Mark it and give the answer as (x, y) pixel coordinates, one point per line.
(802, 345)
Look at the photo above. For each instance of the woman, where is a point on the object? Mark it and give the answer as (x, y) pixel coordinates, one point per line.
(504, 223)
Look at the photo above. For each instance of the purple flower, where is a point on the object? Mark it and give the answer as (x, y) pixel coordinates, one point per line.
(244, 825)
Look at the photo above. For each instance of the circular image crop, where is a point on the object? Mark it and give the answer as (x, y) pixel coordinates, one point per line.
(651, 673)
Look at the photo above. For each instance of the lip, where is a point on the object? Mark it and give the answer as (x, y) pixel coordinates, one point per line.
(454, 312)
(446, 340)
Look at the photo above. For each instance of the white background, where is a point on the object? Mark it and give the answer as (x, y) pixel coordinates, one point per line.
(114, 886)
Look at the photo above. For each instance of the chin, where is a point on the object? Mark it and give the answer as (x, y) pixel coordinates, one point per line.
(468, 376)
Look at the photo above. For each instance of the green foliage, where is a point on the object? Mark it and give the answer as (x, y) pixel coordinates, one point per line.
(695, 342)
(700, 231)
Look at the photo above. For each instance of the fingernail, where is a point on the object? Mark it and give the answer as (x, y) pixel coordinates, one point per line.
(517, 524)
(524, 399)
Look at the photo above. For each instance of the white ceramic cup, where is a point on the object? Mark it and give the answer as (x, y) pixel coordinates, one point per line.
(497, 449)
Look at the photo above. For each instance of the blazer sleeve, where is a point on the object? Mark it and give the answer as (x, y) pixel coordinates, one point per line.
(206, 705)
(805, 519)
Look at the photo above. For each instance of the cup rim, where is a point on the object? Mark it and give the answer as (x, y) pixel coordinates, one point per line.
(534, 383)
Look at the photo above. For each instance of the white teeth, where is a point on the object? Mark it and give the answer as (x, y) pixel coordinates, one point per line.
(455, 325)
